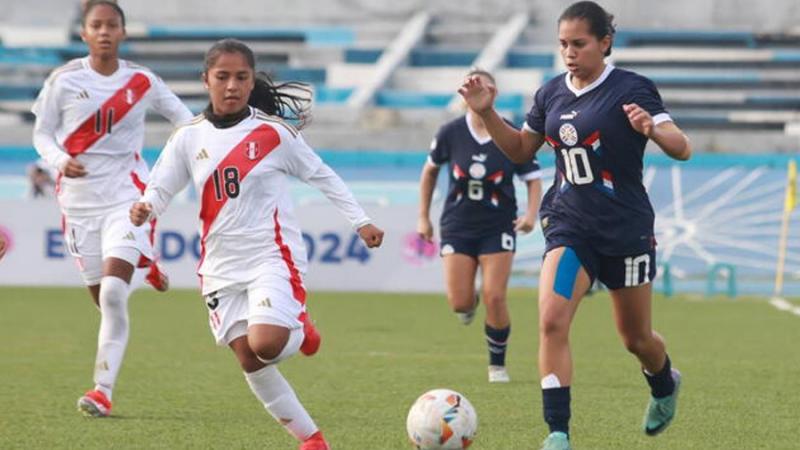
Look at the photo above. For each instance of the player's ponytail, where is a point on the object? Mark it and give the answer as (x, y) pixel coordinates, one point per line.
(290, 100)
(601, 23)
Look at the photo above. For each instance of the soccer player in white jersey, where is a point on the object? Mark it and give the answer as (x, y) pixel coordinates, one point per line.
(238, 154)
(90, 126)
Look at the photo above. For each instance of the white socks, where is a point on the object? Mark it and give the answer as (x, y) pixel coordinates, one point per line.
(113, 336)
(279, 399)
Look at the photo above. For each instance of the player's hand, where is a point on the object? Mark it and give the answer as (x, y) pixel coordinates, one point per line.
(640, 119)
(3, 246)
(140, 212)
(524, 224)
(479, 96)
(74, 169)
(371, 235)
(425, 228)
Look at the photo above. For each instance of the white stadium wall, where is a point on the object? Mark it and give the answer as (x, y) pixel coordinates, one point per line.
(338, 259)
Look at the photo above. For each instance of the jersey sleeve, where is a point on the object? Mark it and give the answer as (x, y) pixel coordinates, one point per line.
(529, 170)
(48, 118)
(169, 176)
(330, 184)
(645, 94)
(297, 158)
(534, 121)
(166, 103)
(440, 151)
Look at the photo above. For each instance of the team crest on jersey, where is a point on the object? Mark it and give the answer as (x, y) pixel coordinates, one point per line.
(568, 134)
(477, 170)
(252, 150)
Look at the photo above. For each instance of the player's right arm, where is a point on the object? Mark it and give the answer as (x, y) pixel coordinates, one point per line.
(48, 118)
(440, 154)
(519, 145)
(169, 176)
(427, 183)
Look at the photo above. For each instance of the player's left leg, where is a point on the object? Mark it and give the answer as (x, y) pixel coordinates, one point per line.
(124, 246)
(274, 333)
(112, 339)
(632, 307)
(269, 385)
(495, 271)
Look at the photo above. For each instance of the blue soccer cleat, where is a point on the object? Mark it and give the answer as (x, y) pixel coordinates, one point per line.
(661, 411)
(557, 440)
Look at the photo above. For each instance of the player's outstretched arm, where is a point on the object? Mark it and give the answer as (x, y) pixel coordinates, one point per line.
(666, 134)
(427, 183)
(518, 145)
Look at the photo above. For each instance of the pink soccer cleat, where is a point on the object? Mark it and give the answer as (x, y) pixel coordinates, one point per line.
(158, 279)
(94, 404)
(312, 339)
(315, 442)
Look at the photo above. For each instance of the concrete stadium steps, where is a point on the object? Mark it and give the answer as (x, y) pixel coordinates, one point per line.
(731, 99)
(706, 57)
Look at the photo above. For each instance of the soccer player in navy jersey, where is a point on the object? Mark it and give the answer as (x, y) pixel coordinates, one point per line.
(479, 222)
(596, 217)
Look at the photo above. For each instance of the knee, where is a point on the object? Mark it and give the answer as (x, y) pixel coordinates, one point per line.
(268, 349)
(636, 344)
(553, 322)
(461, 303)
(494, 299)
(553, 327)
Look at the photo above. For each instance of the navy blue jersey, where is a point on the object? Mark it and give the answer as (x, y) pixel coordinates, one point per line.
(597, 193)
(480, 195)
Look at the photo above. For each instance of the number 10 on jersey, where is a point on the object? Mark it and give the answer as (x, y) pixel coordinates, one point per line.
(576, 166)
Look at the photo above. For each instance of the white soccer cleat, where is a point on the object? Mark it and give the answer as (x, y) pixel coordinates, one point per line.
(498, 374)
(467, 317)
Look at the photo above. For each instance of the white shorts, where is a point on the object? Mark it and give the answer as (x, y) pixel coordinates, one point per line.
(266, 300)
(93, 239)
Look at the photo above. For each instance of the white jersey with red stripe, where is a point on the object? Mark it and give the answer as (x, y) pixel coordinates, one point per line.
(99, 120)
(247, 221)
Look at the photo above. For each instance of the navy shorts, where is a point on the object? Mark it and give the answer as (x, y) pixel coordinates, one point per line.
(504, 241)
(614, 271)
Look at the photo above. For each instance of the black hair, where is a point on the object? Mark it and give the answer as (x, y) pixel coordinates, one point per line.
(482, 72)
(601, 23)
(290, 100)
(92, 3)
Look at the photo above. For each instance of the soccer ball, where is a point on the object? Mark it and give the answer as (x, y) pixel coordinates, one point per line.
(441, 419)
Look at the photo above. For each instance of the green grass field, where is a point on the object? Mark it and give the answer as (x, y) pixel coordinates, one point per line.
(740, 360)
